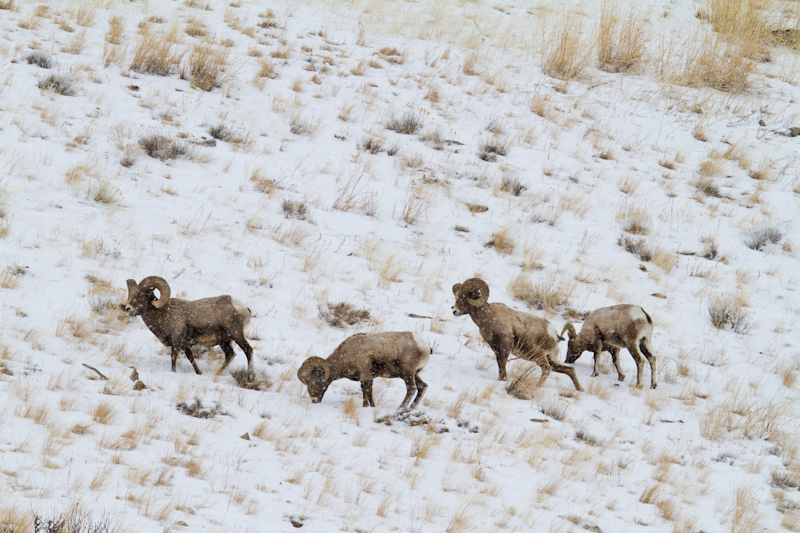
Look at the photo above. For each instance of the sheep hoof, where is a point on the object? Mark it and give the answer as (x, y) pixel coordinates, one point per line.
(654, 385)
(621, 377)
(595, 374)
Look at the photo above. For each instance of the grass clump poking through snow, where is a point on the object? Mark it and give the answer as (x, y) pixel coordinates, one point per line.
(59, 84)
(154, 54)
(726, 312)
(758, 239)
(490, 148)
(342, 314)
(293, 209)
(206, 67)
(198, 410)
(40, 59)
(548, 294)
(621, 44)
(251, 379)
(162, 147)
(409, 124)
(637, 247)
(72, 521)
(565, 52)
(512, 185)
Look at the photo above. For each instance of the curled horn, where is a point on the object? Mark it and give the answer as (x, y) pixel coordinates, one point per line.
(131, 289)
(479, 289)
(155, 282)
(568, 327)
(312, 365)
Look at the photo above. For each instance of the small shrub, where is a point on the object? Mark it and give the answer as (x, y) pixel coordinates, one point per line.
(221, 132)
(708, 187)
(252, 380)
(726, 312)
(556, 411)
(40, 59)
(710, 251)
(299, 126)
(162, 147)
(489, 149)
(342, 314)
(637, 247)
(296, 210)
(547, 294)
(512, 185)
(72, 521)
(758, 239)
(784, 480)
(589, 439)
(198, 410)
(409, 124)
(206, 67)
(59, 84)
(635, 222)
(373, 145)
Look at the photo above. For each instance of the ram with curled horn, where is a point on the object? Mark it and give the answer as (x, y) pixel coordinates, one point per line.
(610, 329)
(181, 324)
(365, 356)
(508, 331)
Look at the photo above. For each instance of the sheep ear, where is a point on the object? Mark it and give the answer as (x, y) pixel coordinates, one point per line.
(457, 288)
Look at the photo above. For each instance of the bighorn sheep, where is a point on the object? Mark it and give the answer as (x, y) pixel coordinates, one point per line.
(364, 356)
(180, 324)
(611, 328)
(510, 331)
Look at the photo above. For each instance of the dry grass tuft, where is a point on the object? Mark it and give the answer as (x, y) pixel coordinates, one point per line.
(502, 241)
(565, 50)
(548, 294)
(251, 379)
(728, 312)
(621, 44)
(342, 314)
(162, 147)
(155, 53)
(408, 124)
(207, 66)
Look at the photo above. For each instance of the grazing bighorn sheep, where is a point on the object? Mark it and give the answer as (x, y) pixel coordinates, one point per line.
(611, 328)
(364, 356)
(510, 331)
(180, 324)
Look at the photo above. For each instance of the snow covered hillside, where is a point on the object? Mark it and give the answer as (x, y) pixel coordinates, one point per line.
(338, 166)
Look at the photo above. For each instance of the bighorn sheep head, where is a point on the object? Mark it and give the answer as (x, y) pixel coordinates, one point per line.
(315, 373)
(471, 294)
(141, 295)
(572, 352)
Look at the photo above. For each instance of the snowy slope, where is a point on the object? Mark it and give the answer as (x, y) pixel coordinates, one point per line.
(307, 89)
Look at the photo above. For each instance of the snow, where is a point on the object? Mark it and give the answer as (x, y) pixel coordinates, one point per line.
(700, 452)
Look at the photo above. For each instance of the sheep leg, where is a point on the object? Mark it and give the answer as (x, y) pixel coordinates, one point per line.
(501, 349)
(596, 352)
(614, 351)
(634, 350)
(241, 340)
(174, 356)
(564, 369)
(227, 349)
(421, 386)
(646, 349)
(190, 357)
(546, 367)
(411, 389)
(366, 391)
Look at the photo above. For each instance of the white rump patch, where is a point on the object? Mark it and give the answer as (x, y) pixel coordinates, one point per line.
(637, 314)
(242, 310)
(425, 348)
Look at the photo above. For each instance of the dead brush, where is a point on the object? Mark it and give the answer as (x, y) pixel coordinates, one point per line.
(408, 124)
(565, 51)
(342, 314)
(548, 294)
(198, 409)
(512, 185)
(59, 84)
(490, 148)
(162, 147)
(727, 312)
(637, 247)
(621, 44)
(155, 53)
(522, 385)
(207, 66)
(251, 379)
